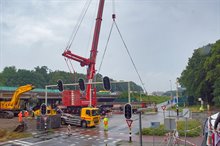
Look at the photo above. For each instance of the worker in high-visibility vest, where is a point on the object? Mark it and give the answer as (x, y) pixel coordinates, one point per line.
(105, 121)
(20, 117)
(26, 114)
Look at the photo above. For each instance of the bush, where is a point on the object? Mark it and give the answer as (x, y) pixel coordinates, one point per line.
(154, 131)
(194, 129)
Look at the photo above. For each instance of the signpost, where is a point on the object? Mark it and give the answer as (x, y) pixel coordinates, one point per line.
(154, 125)
(186, 115)
(43, 110)
(128, 115)
(140, 110)
(129, 122)
(163, 108)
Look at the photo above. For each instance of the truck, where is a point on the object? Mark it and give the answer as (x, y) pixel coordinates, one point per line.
(86, 117)
(8, 109)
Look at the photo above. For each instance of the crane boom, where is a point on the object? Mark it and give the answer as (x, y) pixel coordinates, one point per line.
(90, 62)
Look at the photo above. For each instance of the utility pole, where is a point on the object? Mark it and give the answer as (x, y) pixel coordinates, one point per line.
(171, 94)
(177, 94)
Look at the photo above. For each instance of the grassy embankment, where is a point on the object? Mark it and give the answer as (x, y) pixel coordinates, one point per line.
(194, 129)
(6, 135)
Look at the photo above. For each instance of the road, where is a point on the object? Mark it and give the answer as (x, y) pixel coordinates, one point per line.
(118, 130)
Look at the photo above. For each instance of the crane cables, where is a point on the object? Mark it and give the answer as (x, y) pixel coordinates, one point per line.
(132, 61)
(77, 26)
(75, 31)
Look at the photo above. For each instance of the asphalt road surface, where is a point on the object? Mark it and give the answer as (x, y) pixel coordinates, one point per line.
(118, 131)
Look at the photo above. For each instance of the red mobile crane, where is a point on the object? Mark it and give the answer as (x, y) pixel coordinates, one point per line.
(90, 62)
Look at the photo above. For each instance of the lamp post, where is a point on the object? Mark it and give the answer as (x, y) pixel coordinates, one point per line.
(177, 94)
(171, 94)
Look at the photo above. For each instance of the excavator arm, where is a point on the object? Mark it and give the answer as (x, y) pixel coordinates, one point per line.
(15, 100)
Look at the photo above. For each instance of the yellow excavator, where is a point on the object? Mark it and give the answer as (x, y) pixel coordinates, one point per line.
(9, 108)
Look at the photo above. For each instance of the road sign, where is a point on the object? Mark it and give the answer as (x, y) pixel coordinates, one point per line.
(186, 113)
(129, 122)
(170, 123)
(45, 118)
(155, 124)
(163, 107)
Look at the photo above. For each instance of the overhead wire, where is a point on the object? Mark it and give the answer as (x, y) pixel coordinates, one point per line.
(106, 46)
(77, 26)
(114, 23)
(75, 31)
(130, 57)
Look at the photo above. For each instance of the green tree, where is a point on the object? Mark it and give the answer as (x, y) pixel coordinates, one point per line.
(202, 72)
(8, 76)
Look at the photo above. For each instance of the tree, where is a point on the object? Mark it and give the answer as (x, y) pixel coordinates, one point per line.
(217, 92)
(8, 76)
(202, 72)
(40, 77)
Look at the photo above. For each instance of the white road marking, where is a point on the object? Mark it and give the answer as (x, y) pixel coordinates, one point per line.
(23, 143)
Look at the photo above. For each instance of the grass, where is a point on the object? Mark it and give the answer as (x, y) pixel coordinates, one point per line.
(155, 99)
(194, 129)
(194, 108)
(7, 135)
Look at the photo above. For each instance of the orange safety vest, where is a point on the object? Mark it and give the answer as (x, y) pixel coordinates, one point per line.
(20, 117)
(26, 114)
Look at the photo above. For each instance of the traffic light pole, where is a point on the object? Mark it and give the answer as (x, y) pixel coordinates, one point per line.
(130, 140)
(129, 97)
(139, 111)
(140, 128)
(91, 83)
(46, 92)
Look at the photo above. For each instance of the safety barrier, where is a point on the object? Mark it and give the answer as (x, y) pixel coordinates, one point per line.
(48, 122)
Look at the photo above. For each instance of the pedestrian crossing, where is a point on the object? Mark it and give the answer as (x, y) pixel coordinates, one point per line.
(93, 140)
(82, 137)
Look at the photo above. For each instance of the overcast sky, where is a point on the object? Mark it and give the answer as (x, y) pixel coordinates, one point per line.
(161, 36)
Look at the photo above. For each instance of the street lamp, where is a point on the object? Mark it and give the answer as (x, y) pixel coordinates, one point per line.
(177, 94)
(171, 94)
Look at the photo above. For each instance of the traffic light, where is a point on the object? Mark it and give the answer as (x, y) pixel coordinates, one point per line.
(81, 85)
(43, 109)
(60, 85)
(106, 83)
(128, 111)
